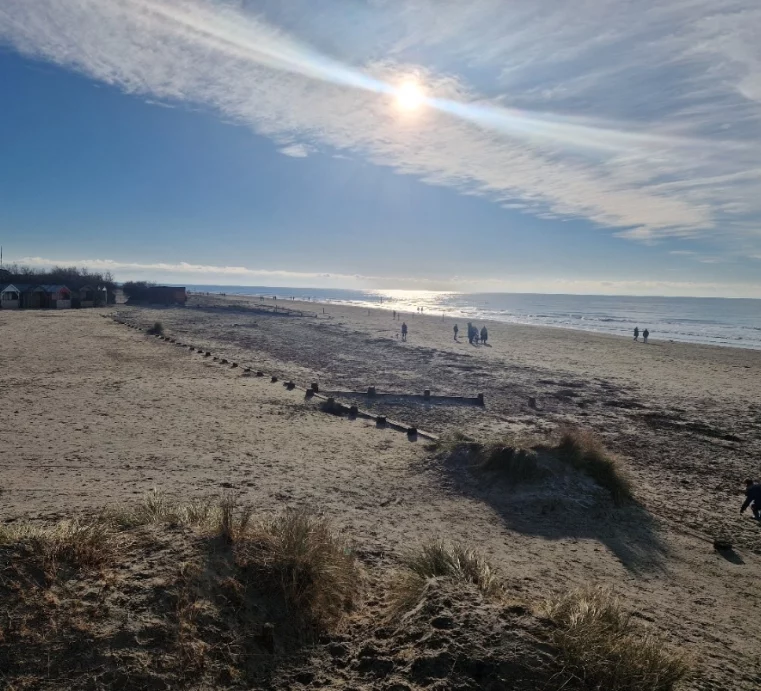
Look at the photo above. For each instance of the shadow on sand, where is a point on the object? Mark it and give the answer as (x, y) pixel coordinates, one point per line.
(562, 507)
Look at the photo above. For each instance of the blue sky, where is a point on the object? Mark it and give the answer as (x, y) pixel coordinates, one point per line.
(594, 147)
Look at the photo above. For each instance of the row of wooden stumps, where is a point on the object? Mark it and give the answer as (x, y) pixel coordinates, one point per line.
(354, 412)
(311, 392)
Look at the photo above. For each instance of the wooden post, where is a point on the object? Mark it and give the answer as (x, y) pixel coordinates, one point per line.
(381, 419)
(309, 393)
(315, 387)
(371, 391)
(274, 379)
(427, 394)
(354, 411)
(480, 399)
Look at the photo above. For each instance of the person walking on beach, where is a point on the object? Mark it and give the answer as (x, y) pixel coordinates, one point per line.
(636, 333)
(645, 334)
(484, 335)
(752, 499)
(404, 331)
(470, 332)
(456, 330)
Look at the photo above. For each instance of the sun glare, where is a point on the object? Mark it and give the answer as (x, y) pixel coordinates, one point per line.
(409, 96)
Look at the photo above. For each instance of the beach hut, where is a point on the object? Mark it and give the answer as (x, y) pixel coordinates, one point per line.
(87, 296)
(10, 298)
(57, 297)
(30, 296)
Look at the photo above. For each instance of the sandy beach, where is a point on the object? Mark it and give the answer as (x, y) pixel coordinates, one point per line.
(96, 413)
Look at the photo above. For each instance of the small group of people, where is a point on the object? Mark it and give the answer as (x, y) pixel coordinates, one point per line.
(474, 335)
(645, 334)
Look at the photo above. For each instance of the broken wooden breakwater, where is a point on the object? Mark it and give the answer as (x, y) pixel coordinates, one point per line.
(391, 397)
(328, 404)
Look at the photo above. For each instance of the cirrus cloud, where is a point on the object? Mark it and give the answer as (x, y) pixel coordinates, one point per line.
(640, 117)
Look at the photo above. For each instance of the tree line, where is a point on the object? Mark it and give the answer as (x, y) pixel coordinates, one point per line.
(72, 277)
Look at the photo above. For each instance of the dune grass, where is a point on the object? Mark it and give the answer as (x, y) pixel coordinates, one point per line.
(156, 330)
(440, 560)
(79, 543)
(584, 451)
(513, 462)
(600, 644)
(527, 459)
(316, 572)
(295, 553)
(157, 507)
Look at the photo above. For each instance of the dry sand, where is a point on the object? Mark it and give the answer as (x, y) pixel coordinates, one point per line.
(94, 413)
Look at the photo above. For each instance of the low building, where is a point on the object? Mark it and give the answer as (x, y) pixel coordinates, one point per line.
(31, 296)
(57, 297)
(10, 297)
(159, 295)
(167, 295)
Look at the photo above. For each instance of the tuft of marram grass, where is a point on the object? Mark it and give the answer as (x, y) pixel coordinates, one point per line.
(601, 645)
(79, 543)
(299, 554)
(514, 463)
(156, 507)
(440, 560)
(584, 451)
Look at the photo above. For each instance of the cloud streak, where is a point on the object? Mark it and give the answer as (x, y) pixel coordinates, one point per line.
(639, 118)
(208, 274)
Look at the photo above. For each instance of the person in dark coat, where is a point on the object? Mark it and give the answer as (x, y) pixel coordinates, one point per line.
(404, 331)
(752, 498)
(484, 335)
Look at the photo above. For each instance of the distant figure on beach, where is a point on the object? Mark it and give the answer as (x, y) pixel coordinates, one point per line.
(456, 330)
(404, 331)
(645, 334)
(394, 317)
(471, 329)
(484, 335)
(636, 333)
(752, 499)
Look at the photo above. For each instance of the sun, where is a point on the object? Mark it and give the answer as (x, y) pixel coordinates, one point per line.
(409, 96)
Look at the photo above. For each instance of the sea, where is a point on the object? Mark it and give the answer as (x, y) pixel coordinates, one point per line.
(732, 322)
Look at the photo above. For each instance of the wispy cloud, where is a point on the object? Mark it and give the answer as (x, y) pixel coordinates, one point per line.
(208, 274)
(641, 117)
(296, 150)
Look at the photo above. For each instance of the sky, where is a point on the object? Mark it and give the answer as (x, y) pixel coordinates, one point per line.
(600, 146)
